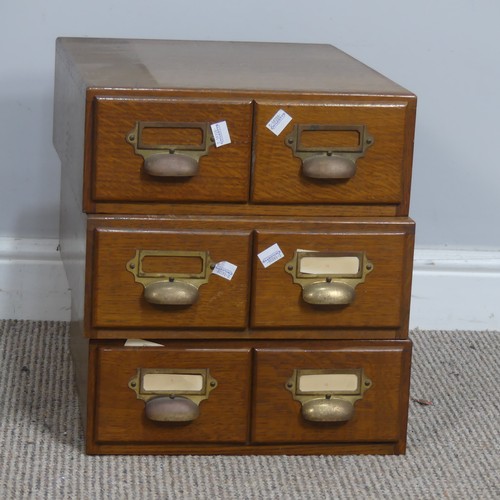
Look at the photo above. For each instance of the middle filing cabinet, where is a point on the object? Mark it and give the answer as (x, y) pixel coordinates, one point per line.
(252, 241)
(338, 278)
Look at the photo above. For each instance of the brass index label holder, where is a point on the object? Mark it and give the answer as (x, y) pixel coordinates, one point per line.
(330, 278)
(176, 289)
(328, 395)
(172, 395)
(171, 160)
(330, 162)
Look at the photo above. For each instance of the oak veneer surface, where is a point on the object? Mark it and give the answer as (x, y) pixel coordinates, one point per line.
(117, 420)
(246, 195)
(377, 416)
(389, 448)
(379, 174)
(117, 301)
(224, 173)
(289, 73)
(233, 209)
(119, 415)
(153, 64)
(373, 225)
(277, 301)
(114, 171)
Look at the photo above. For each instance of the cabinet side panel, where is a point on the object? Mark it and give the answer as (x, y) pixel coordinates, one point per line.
(68, 137)
(69, 125)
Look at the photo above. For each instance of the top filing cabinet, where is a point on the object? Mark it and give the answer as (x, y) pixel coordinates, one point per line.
(241, 208)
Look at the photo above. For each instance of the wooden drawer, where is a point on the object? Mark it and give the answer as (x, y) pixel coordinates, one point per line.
(285, 296)
(369, 143)
(119, 174)
(118, 416)
(140, 281)
(379, 416)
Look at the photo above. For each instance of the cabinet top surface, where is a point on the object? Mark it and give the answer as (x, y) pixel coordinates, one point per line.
(239, 66)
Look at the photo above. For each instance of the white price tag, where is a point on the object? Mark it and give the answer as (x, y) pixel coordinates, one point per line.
(278, 122)
(270, 255)
(221, 134)
(141, 343)
(225, 269)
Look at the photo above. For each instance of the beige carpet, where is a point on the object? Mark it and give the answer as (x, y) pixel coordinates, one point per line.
(453, 446)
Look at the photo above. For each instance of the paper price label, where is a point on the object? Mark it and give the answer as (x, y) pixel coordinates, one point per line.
(141, 343)
(278, 122)
(221, 134)
(270, 255)
(225, 270)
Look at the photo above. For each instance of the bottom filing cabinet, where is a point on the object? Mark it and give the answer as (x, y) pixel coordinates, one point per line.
(234, 397)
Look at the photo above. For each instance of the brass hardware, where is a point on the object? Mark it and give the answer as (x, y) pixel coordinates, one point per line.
(330, 395)
(173, 289)
(172, 395)
(171, 160)
(336, 162)
(332, 278)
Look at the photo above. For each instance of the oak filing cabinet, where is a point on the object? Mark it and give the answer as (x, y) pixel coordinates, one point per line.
(241, 208)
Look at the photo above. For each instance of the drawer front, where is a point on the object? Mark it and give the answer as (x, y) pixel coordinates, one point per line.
(163, 279)
(148, 414)
(326, 405)
(348, 279)
(333, 152)
(154, 150)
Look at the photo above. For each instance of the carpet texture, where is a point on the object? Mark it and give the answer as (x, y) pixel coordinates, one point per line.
(453, 444)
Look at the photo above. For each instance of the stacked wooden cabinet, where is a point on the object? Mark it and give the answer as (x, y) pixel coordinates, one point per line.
(235, 235)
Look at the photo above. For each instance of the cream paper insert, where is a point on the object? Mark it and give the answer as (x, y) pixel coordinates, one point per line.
(163, 382)
(345, 265)
(329, 382)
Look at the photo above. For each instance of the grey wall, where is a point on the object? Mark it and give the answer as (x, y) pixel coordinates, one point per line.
(446, 51)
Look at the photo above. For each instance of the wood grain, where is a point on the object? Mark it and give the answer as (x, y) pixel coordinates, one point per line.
(246, 209)
(172, 64)
(277, 301)
(165, 333)
(378, 179)
(69, 129)
(248, 195)
(147, 194)
(120, 417)
(117, 422)
(93, 448)
(117, 171)
(277, 416)
(118, 300)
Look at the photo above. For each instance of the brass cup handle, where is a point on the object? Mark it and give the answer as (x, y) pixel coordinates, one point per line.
(172, 394)
(170, 288)
(170, 160)
(327, 410)
(328, 278)
(329, 161)
(328, 167)
(171, 293)
(328, 394)
(328, 293)
(171, 165)
(171, 409)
